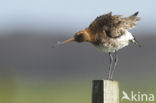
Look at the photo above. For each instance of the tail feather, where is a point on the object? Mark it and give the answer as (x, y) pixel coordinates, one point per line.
(134, 41)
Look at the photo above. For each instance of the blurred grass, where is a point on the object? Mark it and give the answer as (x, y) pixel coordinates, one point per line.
(41, 92)
(58, 92)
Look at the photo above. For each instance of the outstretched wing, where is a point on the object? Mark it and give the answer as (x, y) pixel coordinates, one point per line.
(113, 26)
(100, 22)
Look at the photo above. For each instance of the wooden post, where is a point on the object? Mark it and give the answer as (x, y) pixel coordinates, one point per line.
(105, 91)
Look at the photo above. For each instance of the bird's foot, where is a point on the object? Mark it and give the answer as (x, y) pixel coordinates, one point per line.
(109, 79)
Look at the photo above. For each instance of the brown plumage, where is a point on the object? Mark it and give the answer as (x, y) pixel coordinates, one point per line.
(109, 33)
(106, 26)
(113, 26)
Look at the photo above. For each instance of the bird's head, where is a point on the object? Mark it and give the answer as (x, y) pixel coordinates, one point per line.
(81, 36)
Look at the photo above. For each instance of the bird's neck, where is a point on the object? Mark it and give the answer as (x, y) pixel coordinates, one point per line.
(91, 37)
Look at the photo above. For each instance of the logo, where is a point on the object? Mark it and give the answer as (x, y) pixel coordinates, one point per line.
(137, 96)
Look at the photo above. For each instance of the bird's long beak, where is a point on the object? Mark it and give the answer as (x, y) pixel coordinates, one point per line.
(67, 41)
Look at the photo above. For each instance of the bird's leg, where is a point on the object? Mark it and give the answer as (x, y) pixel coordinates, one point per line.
(110, 66)
(115, 64)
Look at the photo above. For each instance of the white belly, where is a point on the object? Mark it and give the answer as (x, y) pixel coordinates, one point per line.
(114, 44)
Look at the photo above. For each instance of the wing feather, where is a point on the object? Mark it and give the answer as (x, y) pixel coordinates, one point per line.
(114, 26)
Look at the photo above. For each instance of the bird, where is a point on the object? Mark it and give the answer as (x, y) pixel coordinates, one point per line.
(108, 33)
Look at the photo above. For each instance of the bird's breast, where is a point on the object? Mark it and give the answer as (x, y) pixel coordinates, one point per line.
(113, 44)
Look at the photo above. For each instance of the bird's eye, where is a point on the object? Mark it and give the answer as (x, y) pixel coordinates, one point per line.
(79, 37)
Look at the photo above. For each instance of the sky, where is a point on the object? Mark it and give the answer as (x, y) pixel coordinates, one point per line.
(73, 14)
